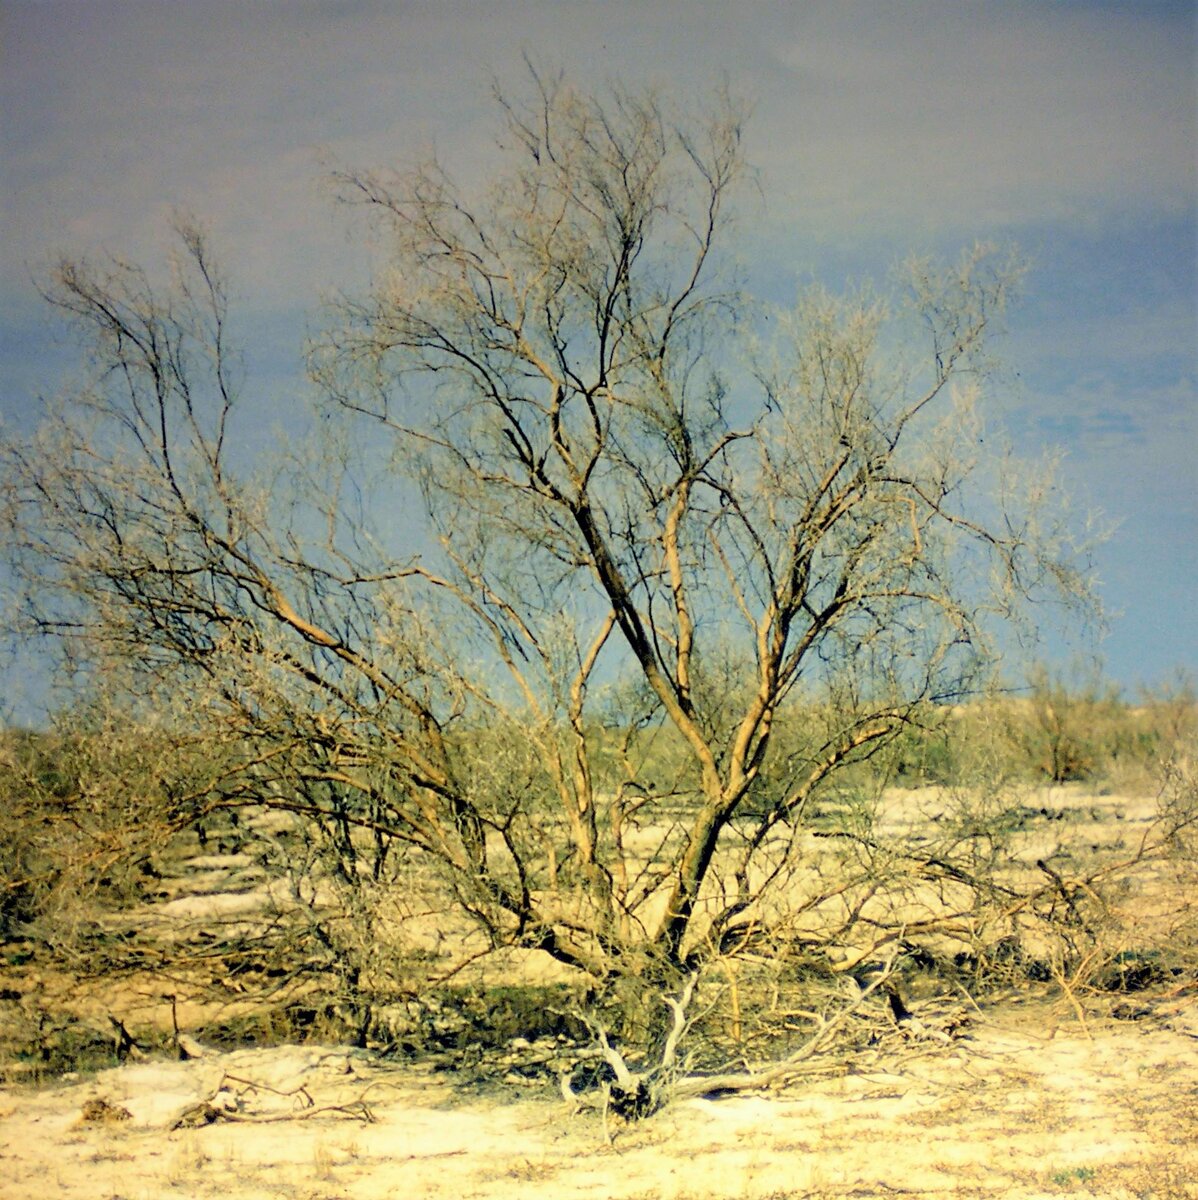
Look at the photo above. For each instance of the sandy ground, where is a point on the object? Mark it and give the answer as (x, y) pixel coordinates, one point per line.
(1031, 1104)
(1036, 1100)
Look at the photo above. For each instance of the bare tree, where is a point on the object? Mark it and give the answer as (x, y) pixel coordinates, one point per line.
(611, 479)
(681, 561)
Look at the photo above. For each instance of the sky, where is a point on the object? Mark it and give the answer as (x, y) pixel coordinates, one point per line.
(879, 129)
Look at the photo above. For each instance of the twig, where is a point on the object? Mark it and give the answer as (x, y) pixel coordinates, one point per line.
(1059, 975)
(355, 1108)
(965, 992)
(250, 1085)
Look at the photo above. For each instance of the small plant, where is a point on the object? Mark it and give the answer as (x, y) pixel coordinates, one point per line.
(322, 1162)
(1078, 1174)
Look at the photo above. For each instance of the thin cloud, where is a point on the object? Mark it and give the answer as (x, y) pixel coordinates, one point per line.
(915, 116)
(991, 114)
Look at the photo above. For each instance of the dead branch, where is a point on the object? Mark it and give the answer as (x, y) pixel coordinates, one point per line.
(226, 1104)
(704, 1085)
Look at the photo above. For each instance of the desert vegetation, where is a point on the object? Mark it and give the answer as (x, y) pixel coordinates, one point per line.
(616, 661)
(136, 864)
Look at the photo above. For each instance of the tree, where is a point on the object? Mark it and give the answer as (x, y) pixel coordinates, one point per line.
(686, 561)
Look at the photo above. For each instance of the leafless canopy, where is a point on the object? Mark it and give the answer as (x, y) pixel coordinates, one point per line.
(680, 560)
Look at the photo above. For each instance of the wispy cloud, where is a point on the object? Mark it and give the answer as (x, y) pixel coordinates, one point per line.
(898, 117)
(991, 113)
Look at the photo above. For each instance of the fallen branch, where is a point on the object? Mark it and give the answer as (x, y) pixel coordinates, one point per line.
(227, 1105)
(207, 1113)
(705, 1085)
(251, 1086)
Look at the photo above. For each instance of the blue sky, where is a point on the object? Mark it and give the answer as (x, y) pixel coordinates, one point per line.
(879, 128)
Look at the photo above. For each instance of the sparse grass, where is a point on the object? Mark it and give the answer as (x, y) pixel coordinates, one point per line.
(531, 1170)
(190, 1158)
(322, 1162)
(109, 1155)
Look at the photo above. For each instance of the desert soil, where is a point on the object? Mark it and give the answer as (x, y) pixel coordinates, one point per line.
(1037, 1095)
(1031, 1104)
